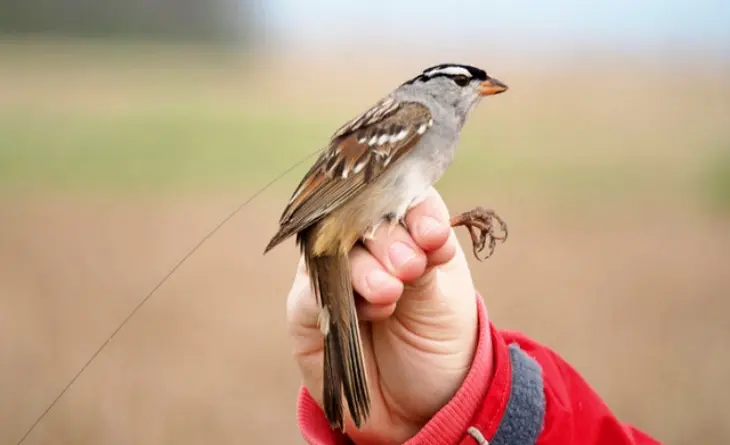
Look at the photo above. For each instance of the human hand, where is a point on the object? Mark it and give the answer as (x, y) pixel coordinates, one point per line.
(418, 323)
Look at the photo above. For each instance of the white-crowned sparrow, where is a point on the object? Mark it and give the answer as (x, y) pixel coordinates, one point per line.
(375, 168)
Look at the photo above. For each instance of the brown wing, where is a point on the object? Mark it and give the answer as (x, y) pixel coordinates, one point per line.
(359, 152)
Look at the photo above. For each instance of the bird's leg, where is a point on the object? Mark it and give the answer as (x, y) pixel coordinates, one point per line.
(400, 215)
(481, 225)
(370, 233)
(394, 220)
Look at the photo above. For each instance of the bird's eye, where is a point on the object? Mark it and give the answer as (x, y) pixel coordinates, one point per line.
(462, 81)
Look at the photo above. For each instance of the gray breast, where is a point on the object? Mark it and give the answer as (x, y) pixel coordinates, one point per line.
(438, 144)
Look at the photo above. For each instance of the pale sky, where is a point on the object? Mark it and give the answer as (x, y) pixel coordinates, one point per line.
(619, 23)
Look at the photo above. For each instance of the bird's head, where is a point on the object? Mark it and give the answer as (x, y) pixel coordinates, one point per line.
(455, 85)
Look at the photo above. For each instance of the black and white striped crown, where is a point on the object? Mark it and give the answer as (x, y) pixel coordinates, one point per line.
(451, 70)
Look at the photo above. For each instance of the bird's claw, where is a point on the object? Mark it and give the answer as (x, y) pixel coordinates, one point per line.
(480, 223)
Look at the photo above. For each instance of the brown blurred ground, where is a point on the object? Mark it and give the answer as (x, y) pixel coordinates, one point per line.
(632, 289)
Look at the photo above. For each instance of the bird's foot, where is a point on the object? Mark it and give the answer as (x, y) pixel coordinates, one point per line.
(391, 220)
(481, 225)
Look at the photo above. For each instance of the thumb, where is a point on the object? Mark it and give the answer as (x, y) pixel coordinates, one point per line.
(442, 300)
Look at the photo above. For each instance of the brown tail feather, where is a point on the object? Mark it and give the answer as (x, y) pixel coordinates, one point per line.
(344, 366)
(333, 380)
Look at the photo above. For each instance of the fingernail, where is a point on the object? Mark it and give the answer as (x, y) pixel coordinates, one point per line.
(378, 280)
(427, 224)
(400, 254)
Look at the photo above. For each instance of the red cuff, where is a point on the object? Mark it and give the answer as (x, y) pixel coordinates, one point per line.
(477, 399)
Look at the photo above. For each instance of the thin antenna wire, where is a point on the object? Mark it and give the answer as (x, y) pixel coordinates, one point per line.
(152, 292)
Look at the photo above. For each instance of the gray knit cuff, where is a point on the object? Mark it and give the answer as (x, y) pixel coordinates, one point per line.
(525, 412)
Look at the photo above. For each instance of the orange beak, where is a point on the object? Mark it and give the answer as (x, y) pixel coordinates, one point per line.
(490, 87)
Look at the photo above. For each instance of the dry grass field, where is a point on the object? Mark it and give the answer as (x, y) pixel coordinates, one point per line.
(113, 164)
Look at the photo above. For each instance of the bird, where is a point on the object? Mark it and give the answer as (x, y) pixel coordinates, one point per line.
(375, 168)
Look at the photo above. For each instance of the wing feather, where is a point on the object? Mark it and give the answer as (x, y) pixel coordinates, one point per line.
(358, 153)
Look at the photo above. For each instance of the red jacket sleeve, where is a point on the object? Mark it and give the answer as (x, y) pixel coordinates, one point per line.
(570, 411)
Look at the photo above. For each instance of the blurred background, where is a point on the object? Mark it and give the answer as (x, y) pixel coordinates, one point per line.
(129, 129)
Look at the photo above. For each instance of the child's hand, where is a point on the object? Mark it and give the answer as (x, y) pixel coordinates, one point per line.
(419, 323)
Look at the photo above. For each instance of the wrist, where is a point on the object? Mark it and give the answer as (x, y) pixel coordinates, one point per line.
(450, 423)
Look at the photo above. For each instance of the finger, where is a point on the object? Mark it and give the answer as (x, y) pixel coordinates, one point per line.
(397, 252)
(301, 304)
(374, 312)
(371, 280)
(445, 253)
(302, 320)
(428, 222)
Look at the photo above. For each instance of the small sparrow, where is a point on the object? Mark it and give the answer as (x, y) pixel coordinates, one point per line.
(376, 167)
